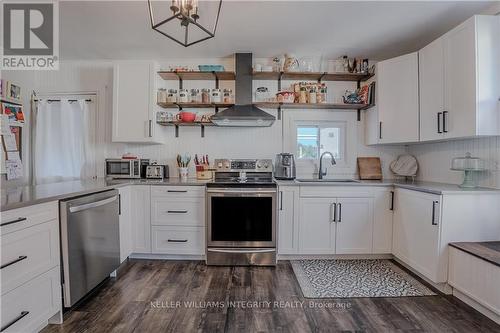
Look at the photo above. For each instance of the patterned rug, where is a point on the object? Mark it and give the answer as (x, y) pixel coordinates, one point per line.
(341, 278)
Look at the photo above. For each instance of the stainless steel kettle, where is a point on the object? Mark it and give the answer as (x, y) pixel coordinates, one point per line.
(284, 166)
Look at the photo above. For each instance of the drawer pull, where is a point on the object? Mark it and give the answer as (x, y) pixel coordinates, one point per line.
(177, 191)
(177, 211)
(19, 219)
(21, 316)
(21, 258)
(177, 240)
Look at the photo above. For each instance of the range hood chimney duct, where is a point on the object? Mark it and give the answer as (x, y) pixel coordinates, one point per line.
(243, 113)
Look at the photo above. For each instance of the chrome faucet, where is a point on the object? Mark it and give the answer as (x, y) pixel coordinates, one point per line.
(321, 173)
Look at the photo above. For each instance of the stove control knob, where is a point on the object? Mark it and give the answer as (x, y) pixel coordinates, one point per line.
(266, 165)
(259, 165)
(219, 165)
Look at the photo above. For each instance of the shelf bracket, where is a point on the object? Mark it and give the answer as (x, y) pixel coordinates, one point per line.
(216, 109)
(176, 131)
(279, 112)
(216, 80)
(359, 114)
(321, 77)
(180, 81)
(279, 81)
(202, 131)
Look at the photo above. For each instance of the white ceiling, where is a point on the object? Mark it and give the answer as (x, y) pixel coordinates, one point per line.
(378, 30)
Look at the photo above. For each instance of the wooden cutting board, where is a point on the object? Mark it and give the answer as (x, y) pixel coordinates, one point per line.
(369, 168)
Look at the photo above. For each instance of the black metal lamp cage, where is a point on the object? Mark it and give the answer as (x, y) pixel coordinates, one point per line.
(187, 14)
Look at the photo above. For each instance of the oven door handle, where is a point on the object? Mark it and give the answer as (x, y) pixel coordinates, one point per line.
(242, 250)
(255, 191)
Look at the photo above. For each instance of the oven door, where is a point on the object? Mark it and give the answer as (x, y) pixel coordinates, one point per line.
(241, 217)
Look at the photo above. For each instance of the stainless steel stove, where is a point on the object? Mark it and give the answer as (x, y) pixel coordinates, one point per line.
(241, 213)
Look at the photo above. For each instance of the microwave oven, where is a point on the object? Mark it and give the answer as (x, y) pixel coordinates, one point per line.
(126, 168)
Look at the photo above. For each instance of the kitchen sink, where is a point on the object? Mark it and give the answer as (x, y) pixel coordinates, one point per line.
(316, 180)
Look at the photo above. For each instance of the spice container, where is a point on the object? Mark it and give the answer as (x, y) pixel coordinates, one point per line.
(205, 96)
(216, 96)
(312, 96)
(161, 96)
(172, 96)
(321, 95)
(195, 96)
(228, 96)
(303, 95)
(183, 96)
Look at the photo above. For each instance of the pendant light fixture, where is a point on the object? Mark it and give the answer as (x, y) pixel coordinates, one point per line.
(186, 22)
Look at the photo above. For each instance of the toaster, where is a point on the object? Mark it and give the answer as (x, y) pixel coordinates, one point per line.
(284, 166)
(155, 171)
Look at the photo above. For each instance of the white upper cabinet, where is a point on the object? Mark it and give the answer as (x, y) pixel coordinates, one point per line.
(133, 98)
(397, 99)
(460, 82)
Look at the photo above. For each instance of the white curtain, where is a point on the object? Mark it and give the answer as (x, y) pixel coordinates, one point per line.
(64, 141)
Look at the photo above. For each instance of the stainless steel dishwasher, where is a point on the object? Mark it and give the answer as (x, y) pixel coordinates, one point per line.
(90, 242)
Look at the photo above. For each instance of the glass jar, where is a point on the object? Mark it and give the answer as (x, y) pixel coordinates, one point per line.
(161, 96)
(183, 96)
(172, 96)
(321, 95)
(216, 96)
(228, 96)
(195, 96)
(312, 96)
(303, 95)
(205, 96)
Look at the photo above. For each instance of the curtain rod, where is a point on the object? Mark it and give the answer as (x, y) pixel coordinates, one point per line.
(58, 100)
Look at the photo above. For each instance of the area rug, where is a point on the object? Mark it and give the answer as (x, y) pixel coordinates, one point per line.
(342, 278)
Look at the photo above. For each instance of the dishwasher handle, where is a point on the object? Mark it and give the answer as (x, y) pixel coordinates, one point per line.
(90, 205)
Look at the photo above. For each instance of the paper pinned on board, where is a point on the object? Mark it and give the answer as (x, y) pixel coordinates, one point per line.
(3, 157)
(14, 169)
(4, 125)
(9, 141)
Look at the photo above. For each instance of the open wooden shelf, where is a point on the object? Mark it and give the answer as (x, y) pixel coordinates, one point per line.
(194, 105)
(314, 106)
(181, 123)
(196, 75)
(312, 76)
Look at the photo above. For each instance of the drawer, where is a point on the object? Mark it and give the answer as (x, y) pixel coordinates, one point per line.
(180, 212)
(178, 240)
(178, 191)
(21, 218)
(32, 304)
(27, 253)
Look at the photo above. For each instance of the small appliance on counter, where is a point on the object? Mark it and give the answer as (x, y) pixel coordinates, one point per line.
(156, 171)
(284, 166)
(468, 165)
(126, 167)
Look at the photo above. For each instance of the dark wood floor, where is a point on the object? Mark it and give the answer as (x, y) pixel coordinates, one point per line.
(140, 301)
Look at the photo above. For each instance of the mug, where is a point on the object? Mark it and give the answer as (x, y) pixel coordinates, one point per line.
(183, 173)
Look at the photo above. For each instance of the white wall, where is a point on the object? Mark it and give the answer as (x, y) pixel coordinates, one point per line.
(435, 160)
(97, 77)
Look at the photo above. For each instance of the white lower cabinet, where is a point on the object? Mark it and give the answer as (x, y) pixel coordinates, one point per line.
(30, 276)
(424, 225)
(178, 240)
(317, 226)
(287, 220)
(383, 207)
(354, 224)
(28, 307)
(125, 222)
(343, 222)
(417, 231)
(140, 213)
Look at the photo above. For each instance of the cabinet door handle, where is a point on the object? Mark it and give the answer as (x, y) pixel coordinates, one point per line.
(150, 128)
(176, 191)
(177, 240)
(20, 258)
(119, 204)
(380, 130)
(333, 212)
(19, 219)
(177, 211)
(392, 201)
(9, 324)
(445, 129)
(281, 200)
(439, 114)
(434, 221)
(340, 212)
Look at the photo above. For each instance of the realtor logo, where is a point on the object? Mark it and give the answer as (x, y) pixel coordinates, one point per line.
(30, 36)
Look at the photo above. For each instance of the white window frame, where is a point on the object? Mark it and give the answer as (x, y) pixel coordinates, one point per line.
(322, 125)
(308, 168)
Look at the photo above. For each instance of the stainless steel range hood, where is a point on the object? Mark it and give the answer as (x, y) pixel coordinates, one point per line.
(243, 113)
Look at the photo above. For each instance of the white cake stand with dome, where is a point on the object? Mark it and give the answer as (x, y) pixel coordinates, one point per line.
(468, 165)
